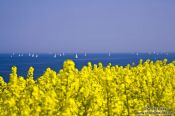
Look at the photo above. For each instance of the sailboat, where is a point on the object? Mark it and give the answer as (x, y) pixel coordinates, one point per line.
(36, 56)
(19, 55)
(33, 55)
(85, 54)
(76, 56)
(63, 53)
(55, 56)
(137, 53)
(60, 54)
(29, 54)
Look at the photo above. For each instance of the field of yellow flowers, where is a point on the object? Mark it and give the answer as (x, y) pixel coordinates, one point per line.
(94, 90)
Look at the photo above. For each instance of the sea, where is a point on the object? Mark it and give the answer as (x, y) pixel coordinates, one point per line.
(55, 61)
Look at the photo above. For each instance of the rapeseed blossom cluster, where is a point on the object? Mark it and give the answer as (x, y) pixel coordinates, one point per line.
(95, 90)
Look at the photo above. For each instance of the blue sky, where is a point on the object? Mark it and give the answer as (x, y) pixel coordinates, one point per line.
(87, 25)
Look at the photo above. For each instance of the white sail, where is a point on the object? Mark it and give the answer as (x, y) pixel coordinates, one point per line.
(76, 56)
(33, 55)
(36, 56)
(55, 56)
(85, 54)
(60, 54)
(63, 53)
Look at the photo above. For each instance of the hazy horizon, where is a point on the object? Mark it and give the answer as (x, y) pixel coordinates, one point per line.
(87, 26)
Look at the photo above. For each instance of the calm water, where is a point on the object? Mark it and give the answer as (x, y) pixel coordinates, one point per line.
(48, 60)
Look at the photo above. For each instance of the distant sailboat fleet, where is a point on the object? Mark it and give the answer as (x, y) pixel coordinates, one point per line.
(21, 55)
(55, 55)
(61, 54)
(76, 55)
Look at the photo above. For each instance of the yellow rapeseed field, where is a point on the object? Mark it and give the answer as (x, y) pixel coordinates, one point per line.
(94, 90)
